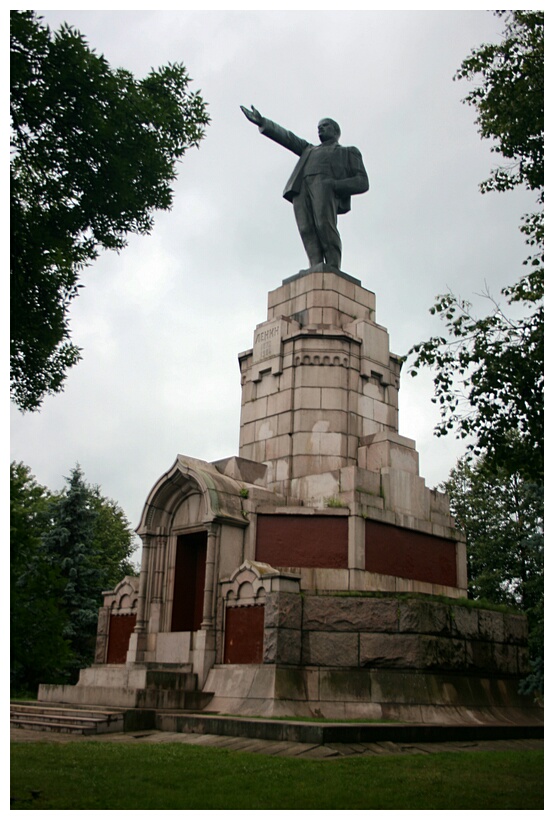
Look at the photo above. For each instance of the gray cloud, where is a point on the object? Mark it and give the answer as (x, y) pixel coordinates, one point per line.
(162, 323)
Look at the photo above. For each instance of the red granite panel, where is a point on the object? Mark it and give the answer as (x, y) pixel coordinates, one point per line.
(303, 541)
(244, 634)
(121, 627)
(406, 553)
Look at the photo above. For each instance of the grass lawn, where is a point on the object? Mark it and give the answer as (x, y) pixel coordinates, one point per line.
(177, 776)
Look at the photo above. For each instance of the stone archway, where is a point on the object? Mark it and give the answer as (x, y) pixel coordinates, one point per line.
(191, 510)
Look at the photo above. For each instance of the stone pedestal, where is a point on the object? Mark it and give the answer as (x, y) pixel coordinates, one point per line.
(284, 578)
(319, 377)
(375, 658)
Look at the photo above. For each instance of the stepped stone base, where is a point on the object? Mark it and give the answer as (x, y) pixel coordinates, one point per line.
(59, 718)
(386, 657)
(393, 632)
(316, 569)
(130, 687)
(376, 694)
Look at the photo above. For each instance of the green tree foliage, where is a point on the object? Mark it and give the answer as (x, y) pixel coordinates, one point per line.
(39, 652)
(68, 543)
(510, 99)
(489, 382)
(502, 515)
(489, 370)
(66, 550)
(94, 153)
(112, 545)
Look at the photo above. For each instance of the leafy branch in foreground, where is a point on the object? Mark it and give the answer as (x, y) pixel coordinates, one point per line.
(488, 381)
(510, 99)
(94, 154)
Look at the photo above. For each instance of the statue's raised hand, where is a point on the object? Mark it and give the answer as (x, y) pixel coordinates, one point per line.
(252, 114)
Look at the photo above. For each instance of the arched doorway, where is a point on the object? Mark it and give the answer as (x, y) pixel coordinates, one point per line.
(188, 587)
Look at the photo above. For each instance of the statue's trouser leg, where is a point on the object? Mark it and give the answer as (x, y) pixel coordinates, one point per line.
(315, 209)
(305, 220)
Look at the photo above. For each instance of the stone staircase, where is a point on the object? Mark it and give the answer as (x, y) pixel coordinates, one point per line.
(52, 718)
(141, 686)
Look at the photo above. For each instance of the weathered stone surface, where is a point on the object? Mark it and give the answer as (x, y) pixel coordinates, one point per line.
(100, 648)
(219, 635)
(282, 645)
(263, 683)
(241, 469)
(397, 686)
(330, 649)
(442, 653)
(391, 651)
(283, 609)
(480, 654)
(465, 622)
(350, 614)
(424, 617)
(412, 652)
(388, 452)
(351, 685)
(515, 629)
(297, 684)
(301, 334)
(523, 665)
(505, 658)
(491, 625)
(103, 620)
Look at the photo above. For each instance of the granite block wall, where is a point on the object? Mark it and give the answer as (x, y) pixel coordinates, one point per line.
(392, 633)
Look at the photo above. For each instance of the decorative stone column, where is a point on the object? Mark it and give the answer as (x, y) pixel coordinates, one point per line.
(158, 562)
(102, 635)
(137, 644)
(211, 555)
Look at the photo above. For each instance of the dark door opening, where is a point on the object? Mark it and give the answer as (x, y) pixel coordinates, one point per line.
(244, 634)
(121, 629)
(188, 590)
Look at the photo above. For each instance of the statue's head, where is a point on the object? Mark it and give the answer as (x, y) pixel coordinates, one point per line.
(328, 129)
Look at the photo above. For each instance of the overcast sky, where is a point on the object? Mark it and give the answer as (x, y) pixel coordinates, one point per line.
(161, 324)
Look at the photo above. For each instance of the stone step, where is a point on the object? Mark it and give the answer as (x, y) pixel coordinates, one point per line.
(47, 726)
(60, 719)
(36, 708)
(183, 668)
(171, 679)
(174, 677)
(125, 698)
(197, 700)
(331, 732)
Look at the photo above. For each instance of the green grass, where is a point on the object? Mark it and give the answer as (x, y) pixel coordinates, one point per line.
(176, 776)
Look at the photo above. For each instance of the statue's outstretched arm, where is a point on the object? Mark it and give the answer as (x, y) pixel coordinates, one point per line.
(252, 114)
(275, 132)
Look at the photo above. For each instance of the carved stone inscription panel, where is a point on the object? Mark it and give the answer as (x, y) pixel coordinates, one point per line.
(267, 341)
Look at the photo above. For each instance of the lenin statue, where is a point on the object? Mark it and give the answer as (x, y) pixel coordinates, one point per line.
(324, 179)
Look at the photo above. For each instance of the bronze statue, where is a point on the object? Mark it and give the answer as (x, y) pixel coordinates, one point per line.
(324, 179)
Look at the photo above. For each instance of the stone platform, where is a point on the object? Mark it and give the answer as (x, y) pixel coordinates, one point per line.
(324, 733)
(426, 698)
(344, 656)
(315, 573)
